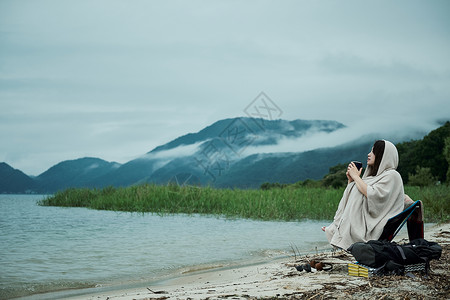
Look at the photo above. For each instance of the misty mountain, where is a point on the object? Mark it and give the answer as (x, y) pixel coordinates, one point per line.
(225, 154)
(263, 131)
(193, 158)
(221, 149)
(224, 140)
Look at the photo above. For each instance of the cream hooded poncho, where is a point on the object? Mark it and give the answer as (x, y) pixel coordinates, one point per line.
(360, 218)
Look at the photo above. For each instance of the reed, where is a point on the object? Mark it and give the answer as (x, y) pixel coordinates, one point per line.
(435, 199)
(287, 204)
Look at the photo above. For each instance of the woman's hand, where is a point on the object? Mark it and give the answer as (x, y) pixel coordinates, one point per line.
(350, 179)
(353, 172)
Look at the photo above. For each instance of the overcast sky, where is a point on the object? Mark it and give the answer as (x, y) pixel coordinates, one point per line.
(114, 79)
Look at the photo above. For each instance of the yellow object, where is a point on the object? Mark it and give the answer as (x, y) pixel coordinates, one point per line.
(358, 270)
(365, 271)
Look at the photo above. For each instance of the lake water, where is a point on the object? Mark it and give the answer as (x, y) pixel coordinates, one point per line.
(46, 249)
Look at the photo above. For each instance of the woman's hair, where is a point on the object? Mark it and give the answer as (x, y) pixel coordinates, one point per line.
(378, 151)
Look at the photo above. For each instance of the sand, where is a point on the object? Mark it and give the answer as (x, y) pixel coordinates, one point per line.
(280, 279)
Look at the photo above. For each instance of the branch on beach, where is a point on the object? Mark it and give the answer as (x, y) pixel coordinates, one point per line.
(157, 292)
(294, 247)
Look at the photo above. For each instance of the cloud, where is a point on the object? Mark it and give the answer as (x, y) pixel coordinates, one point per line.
(163, 157)
(393, 130)
(177, 152)
(93, 166)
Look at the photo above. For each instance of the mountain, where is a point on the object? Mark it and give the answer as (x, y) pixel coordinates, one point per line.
(73, 173)
(188, 156)
(235, 152)
(265, 132)
(14, 181)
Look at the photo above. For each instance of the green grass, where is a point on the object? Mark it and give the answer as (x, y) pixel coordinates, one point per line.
(435, 199)
(287, 204)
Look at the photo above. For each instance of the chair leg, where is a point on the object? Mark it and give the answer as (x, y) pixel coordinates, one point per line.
(415, 224)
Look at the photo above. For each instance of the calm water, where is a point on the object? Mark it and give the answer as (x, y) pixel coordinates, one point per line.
(50, 248)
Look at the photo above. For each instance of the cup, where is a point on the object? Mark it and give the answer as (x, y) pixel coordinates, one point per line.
(358, 164)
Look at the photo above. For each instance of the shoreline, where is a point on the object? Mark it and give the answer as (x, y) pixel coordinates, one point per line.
(279, 278)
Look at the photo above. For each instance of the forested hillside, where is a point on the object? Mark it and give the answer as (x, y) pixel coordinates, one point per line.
(425, 156)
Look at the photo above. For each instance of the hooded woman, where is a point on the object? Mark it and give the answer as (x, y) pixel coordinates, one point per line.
(368, 202)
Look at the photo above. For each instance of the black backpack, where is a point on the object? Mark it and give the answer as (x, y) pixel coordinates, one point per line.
(376, 254)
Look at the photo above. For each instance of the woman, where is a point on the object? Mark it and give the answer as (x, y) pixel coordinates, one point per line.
(368, 202)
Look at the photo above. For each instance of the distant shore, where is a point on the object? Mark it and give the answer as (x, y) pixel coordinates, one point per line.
(280, 279)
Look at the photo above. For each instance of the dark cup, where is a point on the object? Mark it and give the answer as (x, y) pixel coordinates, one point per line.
(358, 164)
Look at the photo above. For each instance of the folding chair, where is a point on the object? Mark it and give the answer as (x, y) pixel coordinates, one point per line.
(412, 216)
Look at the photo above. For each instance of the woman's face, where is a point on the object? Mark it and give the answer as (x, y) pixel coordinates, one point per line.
(371, 158)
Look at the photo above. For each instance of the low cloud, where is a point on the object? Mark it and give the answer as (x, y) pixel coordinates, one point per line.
(93, 166)
(180, 151)
(395, 131)
(163, 157)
